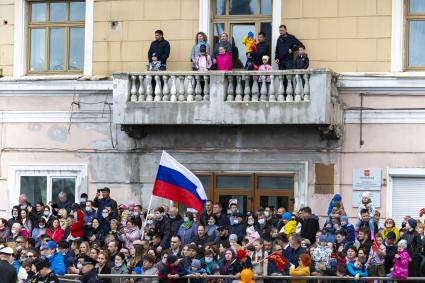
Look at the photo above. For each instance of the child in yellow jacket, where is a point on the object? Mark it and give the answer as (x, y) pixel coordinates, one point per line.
(290, 225)
(249, 42)
(303, 269)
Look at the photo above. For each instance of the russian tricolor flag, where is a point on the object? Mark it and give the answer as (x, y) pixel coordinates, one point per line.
(175, 182)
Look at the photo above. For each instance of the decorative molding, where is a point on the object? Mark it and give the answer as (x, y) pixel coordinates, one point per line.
(397, 36)
(385, 117)
(205, 17)
(54, 117)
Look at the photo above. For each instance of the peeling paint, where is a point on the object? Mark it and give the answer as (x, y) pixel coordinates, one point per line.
(59, 134)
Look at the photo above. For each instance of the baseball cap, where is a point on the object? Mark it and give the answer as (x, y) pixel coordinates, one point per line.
(50, 245)
(7, 251)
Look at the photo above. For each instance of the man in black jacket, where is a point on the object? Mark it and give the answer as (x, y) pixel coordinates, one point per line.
(8, 272)
(162, 228)
(309, 225)
(175, 220)
(161, 48)
(262, 49)
(414, 246)
(285, 46)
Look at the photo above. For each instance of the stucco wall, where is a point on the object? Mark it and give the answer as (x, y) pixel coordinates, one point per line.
(344, 35)
(7, 12)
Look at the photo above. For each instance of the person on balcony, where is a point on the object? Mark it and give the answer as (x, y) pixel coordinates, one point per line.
(262, 49)
(200, 41)
(223, 42)
(161, 48)
(224, 60)
(285, 46)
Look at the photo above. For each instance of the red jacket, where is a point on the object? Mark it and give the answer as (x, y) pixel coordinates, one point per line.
(77, 229)
(56, 235)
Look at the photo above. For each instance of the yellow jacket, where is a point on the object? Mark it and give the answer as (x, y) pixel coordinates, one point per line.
(385, 232)
(299, 271)
(248, 43)
(289, 228)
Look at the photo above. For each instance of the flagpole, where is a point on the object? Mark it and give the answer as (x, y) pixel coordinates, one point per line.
(146, 219)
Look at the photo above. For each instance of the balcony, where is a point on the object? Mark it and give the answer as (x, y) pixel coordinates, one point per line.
(227, 98)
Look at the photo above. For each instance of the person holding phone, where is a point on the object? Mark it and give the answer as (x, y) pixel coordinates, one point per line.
(104, 202)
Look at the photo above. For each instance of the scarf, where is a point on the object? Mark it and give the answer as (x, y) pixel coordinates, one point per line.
(200, 43)
(187, 225)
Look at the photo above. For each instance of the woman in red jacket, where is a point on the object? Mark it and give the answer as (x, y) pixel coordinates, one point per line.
(56, 232)
(77, 228)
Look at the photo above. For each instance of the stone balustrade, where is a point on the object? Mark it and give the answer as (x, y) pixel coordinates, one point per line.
(226, 98)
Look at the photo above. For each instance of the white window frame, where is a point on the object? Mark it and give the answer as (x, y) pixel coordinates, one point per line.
(399, 172)
(77, 171)
(20, 39)
(397, 36)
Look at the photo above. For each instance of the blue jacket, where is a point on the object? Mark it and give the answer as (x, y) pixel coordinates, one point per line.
(349, 230)
(188, 235)
(352, 270)
(57, 264)
(292, 255)
(238, 229)
(88, 216)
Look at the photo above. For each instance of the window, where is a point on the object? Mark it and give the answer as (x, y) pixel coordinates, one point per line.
(47, 188)
(56, 36)
(237, 18)
(415, 30)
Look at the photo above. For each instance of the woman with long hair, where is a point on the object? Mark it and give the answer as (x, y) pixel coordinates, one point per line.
(103, 265)
(200, 39)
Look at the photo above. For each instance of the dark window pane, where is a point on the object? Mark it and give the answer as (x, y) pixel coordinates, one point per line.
(35, 188)
(218, 29)
(77, 11)
(38, 12)
(416, 43)
(243, 7)
(224, 200)
(37, 49)
(275, 182)
(276, 201)
(239, 31)
(234, 182)
(266, 7)
(206, 181)
(57, 49)
(76, 49)
(58, 12)
(267, 29)
(220, 8)
(417, 6)
(66, 185)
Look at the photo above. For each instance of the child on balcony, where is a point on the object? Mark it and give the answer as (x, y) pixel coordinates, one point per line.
(302, 61)
(224, 60)
(265, 67)
(203, 61)
(155, 65)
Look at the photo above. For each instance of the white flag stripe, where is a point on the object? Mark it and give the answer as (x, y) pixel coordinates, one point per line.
(168, 161)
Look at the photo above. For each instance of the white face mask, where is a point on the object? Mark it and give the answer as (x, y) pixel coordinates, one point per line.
(83, 199)
(186, 219)
(95, 226)
(75, 215)
(261, 221)
(41, 226)
(266, 213)
(251, 222)
(79, 266)
(235, 221)
(149, 222)
(104, 215)
(118, 264)
(13, 231)
(88, 208)
(211, 222)
(46, 213)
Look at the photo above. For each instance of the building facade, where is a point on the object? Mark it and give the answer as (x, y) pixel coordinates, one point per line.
(79, 111)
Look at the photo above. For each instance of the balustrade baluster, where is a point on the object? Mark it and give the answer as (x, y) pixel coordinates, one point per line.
(306, 87)
(141, 89)
(289, 90)
(158, 89)
(238, 88)
(173, 91)
(165, 89)
(263, 89)
(298, 88)
(190, 91)
(272, 96)
(247, 89)
(133, 89)
(149, 90)
(281, 89)
(181, 88)
(230, 90)
(206, 88)
(255, 89)
(198, 89)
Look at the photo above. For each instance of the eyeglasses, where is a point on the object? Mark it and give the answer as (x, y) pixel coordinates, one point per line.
(19, 242)
(31, 256)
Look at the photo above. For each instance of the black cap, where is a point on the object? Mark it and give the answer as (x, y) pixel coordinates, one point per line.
(221, 228)
(203, 48)
(391, 236)
(87, 260)
(106, 189)
(84, 195)
(40, 264)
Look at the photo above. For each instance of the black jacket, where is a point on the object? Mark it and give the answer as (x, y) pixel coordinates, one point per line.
(302, 62)
(389, 257)
(292, 255)
(175, 224)
(50, 278)
(161, 48)
(90, 277)
(163, 228)
(102, 203)
(414, 243)
(263, 48)
(8, 272)
(283, 44)
(204, 218)
(223, 220)
(309, 228)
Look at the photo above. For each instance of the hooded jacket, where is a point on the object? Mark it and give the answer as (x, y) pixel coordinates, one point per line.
(289, 228)
(386, 231)
(401, 266)
(336, 197)
(77, 229)
(57, 263)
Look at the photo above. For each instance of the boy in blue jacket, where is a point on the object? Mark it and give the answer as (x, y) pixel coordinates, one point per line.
(357, 269)
(348, 228)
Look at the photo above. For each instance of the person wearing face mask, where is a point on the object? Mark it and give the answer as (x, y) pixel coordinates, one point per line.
(414, 247)
(262, 226)
(162, 228)
(76, 229)
(391, 251)
(55, 259)
(188, 230)
(120, 266)
(175, 220)
(238, 226)
(89, 214)
(83, 198)
(88, 270)
(47, 215)
(212, 228)
(129, 234)
(95, 233)
(39, 230)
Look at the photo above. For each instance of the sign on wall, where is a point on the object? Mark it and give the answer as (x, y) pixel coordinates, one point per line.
(367, 179)
(374, 196)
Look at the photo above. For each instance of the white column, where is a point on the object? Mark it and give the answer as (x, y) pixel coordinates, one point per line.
(19, 48)
(204, 17)
(397, 36)
(276, 22)
(88, 39)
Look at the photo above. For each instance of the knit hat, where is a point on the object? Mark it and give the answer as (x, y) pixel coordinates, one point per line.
(391, 236)
(171, 259)
(344, 218)
(402, 244)
(203, 48)
(265, 57)
(412, 222)
(366, 195)
(337, 197)
(196, 263)
(241, 254)
(250, 34)
(233, 237)
(287, 216)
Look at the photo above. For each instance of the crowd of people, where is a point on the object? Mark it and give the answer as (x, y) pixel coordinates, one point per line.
(289, 52)
(43, 241)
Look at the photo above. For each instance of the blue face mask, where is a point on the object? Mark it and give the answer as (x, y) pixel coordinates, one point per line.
(208, 260)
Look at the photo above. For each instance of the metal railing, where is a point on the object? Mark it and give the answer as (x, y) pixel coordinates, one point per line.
(123, 277)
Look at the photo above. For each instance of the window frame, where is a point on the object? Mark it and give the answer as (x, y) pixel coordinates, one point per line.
(47, 26)
(408, 17)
